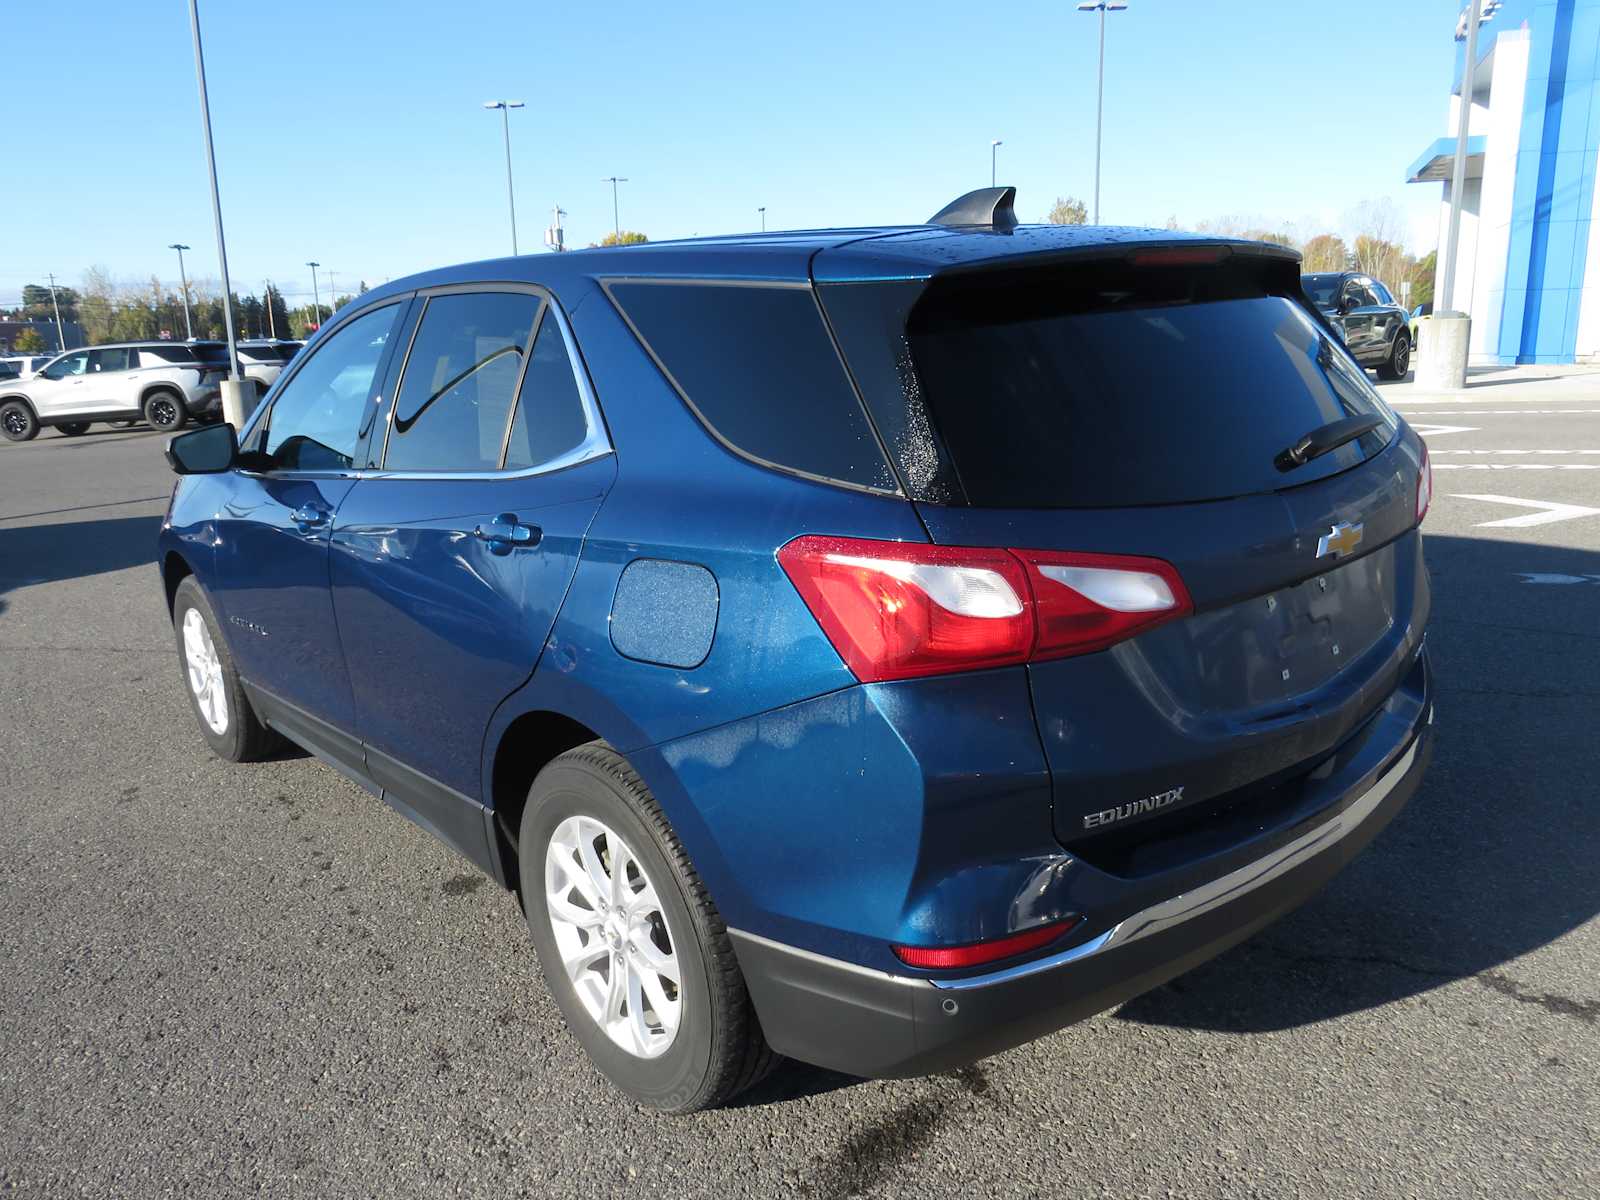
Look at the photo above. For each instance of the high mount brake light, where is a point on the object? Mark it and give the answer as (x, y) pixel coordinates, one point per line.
(1180, 256)
(976, 954)
(899, 610)
(1424, 485)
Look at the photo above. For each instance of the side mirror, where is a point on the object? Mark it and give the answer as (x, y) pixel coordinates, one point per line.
(205, 451)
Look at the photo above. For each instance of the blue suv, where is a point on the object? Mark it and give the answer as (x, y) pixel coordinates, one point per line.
(877, 647)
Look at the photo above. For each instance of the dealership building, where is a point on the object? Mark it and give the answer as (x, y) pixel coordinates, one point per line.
(1528, 269)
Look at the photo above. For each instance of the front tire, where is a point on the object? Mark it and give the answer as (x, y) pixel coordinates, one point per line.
(74, 428)
(631, 946)
(164, 411)
(1399, 360)
(227, 722)
(17, 422)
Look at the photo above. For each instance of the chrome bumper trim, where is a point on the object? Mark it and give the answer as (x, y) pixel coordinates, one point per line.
(1159, 918)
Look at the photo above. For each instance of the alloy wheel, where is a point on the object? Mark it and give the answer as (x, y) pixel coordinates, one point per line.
(612, 936)
(15, 423)
(1402, 357)
(205, 671)
(163, 413)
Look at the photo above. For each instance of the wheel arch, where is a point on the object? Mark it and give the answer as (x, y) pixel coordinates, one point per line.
(525, 747)
(171, 389)
(22, 399)
(174, 570)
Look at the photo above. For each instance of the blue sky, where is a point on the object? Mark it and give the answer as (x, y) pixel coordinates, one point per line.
(352, 132)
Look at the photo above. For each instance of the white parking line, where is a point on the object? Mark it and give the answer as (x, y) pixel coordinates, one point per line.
(1550, 512)
(1516, 466)
(1440, 430)
(1506, 412)
(1436, 453)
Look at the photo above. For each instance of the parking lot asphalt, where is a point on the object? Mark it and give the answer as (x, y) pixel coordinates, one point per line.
(257, 980)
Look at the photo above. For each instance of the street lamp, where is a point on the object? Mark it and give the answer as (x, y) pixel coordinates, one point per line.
(993, 147)
(188, 325)
(316, 298)
(333, 295)
(236, 376)
(1102, 7)
(613, 180)
(505, 107)
(763, 211)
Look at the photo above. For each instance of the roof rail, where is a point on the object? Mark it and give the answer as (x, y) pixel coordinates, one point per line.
(989, 206)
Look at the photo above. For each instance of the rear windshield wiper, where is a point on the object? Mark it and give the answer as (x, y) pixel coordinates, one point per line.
(1320, 441)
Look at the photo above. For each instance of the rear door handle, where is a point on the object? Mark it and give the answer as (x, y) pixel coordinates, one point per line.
(505, 533)
(308, 517)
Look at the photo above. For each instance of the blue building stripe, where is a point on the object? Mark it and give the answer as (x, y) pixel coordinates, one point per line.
(1544, 199)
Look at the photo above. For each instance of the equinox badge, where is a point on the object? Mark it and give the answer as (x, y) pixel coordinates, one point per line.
(1340, 541)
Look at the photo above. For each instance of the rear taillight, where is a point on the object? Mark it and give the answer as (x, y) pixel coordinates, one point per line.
(976, 954)
(898, 610)
(1086, 602)
(1424, 485)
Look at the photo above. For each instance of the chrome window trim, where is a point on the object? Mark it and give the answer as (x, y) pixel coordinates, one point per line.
(595, 442)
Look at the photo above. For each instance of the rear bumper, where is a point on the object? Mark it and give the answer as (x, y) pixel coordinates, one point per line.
(868, 1022)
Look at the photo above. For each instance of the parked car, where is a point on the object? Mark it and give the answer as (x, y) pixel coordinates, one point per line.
(1374, 325)
(263, 360)
(161, 382)
(873, 647)
(22, 366)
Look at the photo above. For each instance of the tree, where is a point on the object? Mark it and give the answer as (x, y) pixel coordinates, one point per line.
(1325, 252)
(1278, 238)
(1422, 278)
(626, 238)
(1068, 210)
(278, 312)
(37, 304)
(28, 342)
(98, 306)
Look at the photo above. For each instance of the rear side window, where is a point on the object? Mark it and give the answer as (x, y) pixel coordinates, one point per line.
(757, 366)
(155, 356)
(212, 352)
(1076, 391)
(550, 416)
(461, 375)
(115, 358)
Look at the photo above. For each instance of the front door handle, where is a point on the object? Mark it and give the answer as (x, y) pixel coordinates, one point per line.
(308, 517)
(505, 533)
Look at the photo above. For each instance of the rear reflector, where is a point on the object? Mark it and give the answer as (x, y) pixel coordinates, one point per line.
(898, 610)
(1424, 485)
(976, 954)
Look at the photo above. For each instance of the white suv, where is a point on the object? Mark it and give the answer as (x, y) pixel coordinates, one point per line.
(165, 383)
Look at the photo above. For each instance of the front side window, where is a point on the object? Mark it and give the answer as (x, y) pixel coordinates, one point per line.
(72, 364)
(550, 416)
(315, 422)
(454, 402)
(112, 359)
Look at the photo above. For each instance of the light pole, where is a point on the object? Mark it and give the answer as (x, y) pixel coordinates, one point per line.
(316, 297)
(505, 107)
(616, 224)
(994, 147)
(333, 295)
(1102, 7)
(235, 375)
(1473, 17)
(61, 337)
(272, 322)
(763, 211)
(183, 277)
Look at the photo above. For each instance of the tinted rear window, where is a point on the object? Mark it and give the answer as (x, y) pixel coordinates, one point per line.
(154, 356)
(1074, 392)
(211, 352)
(756, 364)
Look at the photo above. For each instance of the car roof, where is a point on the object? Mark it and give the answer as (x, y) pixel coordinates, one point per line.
(876, 253)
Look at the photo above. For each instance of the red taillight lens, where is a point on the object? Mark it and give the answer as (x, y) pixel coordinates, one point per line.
(1180, 256)
(1087, 602)
(976, 954)
(896, 610)
(1424, 485)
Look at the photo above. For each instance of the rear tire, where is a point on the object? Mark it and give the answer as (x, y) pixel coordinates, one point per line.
(74, 428)
(659, 914)
(17, 422)
(1399, 361)
(227, 722)
(164, 411)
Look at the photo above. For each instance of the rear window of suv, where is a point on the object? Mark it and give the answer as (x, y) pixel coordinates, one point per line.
(1107, 387)
(756, 364)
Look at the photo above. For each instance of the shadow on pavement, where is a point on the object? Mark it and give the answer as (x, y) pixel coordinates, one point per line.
(1495, 856)
(32, 554)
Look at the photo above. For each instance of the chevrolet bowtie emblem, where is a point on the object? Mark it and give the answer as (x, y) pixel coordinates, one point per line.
(1340, 541)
